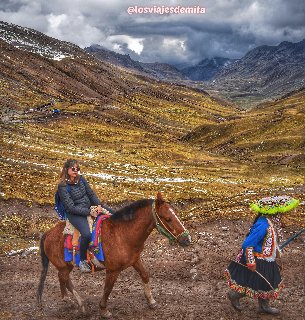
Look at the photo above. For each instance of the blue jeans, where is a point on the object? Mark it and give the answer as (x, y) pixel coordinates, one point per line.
(81, 224)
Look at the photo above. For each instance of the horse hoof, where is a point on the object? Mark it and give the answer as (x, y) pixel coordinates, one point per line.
(66, 299)
(83, 309)
(106, 314)
(153, 305)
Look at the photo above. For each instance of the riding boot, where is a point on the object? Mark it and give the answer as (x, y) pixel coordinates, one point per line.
(264, 307)
(234, 297)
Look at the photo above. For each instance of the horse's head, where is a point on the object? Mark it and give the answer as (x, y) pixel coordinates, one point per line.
(168, 223)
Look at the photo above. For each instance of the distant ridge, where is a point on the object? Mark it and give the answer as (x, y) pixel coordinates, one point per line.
(265, 72)
(207, 68)
(162, 71)
(203, 71)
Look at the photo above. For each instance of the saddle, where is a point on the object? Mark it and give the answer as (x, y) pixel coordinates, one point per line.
(72, 240)
(70, 230)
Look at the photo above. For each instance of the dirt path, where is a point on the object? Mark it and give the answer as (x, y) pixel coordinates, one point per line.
(187, 283)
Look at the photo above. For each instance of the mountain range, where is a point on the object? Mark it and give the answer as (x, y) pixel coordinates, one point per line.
(202, 71)
(129, 127)
(264, 73)
(162, 71)
(206, 69)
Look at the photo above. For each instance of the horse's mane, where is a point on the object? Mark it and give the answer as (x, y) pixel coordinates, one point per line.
(127, 213)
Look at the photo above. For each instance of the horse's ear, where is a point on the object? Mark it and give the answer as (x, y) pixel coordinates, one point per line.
(159, 197)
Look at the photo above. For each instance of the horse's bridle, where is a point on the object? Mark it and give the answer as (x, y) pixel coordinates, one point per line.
(161, 227)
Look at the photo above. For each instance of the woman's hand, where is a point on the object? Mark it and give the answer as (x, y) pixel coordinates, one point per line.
(252, 267)
(94, 211)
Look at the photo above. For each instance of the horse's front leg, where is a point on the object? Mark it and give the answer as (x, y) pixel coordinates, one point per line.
(139, 267)
(111, 277)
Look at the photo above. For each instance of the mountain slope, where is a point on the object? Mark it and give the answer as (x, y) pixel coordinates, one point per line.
(122, 126)
(207, 68)
(157, 70)
(29, 79)
(272, 133)
(34, 41)
(263, 73)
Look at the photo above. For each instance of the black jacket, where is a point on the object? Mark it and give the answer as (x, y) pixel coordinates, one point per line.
(79, 199)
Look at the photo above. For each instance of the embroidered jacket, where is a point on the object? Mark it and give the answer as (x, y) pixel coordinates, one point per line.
(261, 242)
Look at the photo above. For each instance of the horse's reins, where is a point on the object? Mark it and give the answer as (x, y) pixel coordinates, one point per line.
(161, 227)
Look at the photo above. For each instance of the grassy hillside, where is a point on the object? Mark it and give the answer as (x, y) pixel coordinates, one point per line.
(128, 149)
(134, 136)
(272, 135)
(143, 142)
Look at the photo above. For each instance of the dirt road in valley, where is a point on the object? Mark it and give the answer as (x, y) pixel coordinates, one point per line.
(187, 283)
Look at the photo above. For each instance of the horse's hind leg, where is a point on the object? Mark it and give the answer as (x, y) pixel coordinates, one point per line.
(63, 276)
(139, 267)
(66, 283)
(111, 277)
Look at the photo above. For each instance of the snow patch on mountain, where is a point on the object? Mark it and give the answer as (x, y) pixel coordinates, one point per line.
(30, 40)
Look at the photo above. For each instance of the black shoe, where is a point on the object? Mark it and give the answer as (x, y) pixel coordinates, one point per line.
(264, 307)
(234, 298)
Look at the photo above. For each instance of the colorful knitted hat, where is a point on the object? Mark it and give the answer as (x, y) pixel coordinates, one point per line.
(273, 205)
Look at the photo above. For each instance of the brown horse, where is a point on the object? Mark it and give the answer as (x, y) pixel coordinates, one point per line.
(123, 236)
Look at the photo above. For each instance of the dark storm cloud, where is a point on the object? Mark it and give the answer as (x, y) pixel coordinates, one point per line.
(228, 28)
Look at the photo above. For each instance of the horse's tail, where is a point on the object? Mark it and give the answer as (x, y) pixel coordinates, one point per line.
(44, 271)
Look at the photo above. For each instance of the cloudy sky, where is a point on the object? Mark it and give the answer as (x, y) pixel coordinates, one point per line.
(227, 28)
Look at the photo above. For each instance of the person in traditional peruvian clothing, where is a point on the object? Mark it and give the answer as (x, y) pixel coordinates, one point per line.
(255, 272)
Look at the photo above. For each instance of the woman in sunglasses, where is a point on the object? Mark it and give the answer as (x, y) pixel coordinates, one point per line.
(79, 202)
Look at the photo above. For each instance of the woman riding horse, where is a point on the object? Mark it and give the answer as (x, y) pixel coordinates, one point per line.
(79, 201)
(123, 236)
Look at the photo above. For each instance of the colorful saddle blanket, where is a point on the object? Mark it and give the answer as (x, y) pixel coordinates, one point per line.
(71, 252)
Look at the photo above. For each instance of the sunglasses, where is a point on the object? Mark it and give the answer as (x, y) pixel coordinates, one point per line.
(75, 169)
